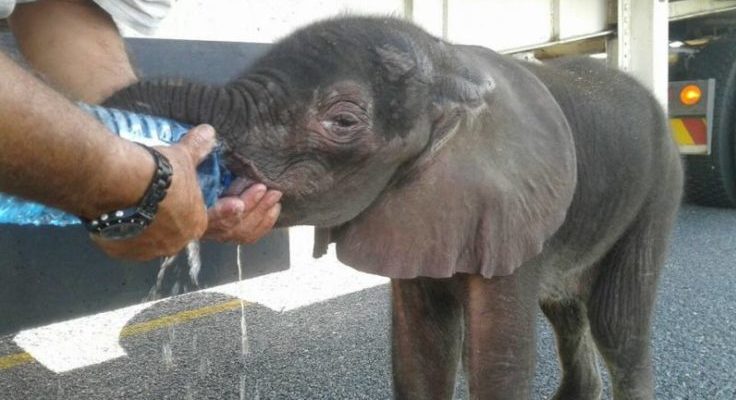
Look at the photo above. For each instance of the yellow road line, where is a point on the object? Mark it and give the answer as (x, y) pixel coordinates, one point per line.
(14, 360)
(178, 318)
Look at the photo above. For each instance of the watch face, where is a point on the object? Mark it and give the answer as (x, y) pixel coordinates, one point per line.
(123, 230)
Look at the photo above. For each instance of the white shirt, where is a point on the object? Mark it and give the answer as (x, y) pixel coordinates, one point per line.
(7, 6)
(141, 15)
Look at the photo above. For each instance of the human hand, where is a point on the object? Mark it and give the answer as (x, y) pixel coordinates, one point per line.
(182, 215)
(244, 218)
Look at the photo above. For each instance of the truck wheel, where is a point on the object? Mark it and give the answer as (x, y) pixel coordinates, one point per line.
(711, 180)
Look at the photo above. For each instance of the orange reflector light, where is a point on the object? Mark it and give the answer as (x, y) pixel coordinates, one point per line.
(690, 95)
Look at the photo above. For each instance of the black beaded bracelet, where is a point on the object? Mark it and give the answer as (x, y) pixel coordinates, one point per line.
(129, 222)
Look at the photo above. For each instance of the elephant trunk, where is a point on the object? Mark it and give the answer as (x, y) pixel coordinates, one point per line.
(237, 111)
(183, 101)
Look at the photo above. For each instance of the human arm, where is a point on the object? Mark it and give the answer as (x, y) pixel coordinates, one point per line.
(54, 153)
(75, 46)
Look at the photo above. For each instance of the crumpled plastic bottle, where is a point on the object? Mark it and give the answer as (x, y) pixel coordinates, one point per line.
(212, 174)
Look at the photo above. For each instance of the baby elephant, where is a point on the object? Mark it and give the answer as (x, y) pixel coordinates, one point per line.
(483, 186)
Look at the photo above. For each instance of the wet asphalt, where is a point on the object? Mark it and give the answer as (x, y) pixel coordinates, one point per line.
(339, 349)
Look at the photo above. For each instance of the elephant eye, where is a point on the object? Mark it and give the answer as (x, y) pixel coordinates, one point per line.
(343, 123)
(345, 120)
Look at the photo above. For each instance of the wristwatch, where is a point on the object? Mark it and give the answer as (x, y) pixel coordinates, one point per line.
(130, 222)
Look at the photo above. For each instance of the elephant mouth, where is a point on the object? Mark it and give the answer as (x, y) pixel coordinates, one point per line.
(239, 185)
(246, 175)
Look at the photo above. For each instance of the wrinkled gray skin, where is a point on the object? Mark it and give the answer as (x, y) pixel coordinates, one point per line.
(482, 185)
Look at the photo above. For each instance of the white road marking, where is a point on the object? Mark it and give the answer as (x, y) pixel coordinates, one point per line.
(301, 285)
(80, 342)
(93, 339)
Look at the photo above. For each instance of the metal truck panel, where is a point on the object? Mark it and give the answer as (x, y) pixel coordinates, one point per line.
(697, 8)
(504, 24)
(499, 24)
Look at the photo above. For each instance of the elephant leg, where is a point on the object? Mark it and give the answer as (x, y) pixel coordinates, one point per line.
(580, 373)
(621, 302)
(427, 337)
(500, 334)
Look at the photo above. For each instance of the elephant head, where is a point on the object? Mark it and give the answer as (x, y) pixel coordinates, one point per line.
(415, 156)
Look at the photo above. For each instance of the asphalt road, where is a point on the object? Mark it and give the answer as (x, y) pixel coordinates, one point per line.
(192, 347)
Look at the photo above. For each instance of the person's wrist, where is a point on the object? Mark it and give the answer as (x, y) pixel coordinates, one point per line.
(123, 180)
(125, 223)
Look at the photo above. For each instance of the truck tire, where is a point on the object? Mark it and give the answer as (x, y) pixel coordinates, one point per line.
(711, 180)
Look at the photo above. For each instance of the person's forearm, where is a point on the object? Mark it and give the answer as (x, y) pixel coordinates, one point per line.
(75, 46)
(54, 153)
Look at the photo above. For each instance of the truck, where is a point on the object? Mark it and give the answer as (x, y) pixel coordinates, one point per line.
(700, 41)
(702, 98)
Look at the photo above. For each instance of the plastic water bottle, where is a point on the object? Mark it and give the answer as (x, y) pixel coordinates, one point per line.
(212, 174)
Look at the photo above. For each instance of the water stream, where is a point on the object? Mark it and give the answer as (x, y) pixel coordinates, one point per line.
(244, 347)
(175, 278)
(183, 277)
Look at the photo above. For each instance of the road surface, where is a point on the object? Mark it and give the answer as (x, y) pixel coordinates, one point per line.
(324, 335)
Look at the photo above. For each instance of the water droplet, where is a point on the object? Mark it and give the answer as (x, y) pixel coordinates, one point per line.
(168, 356)
(258, 392)
(204, 367)
(195, 262)
(242, 387)
(244, 347)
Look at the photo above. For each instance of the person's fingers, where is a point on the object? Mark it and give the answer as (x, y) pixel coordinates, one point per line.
(199, 142)
(261, 219)
(268, 220)
(252, 196)
(259, 225)
(269, 200)
(253, 215)
(226, 210)
(223, 217)
(254, 218)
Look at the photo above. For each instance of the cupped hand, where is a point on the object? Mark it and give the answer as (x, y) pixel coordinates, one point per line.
(182, 215)
(244, 218)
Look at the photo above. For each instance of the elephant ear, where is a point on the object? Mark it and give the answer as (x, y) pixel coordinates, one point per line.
(492, 185)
